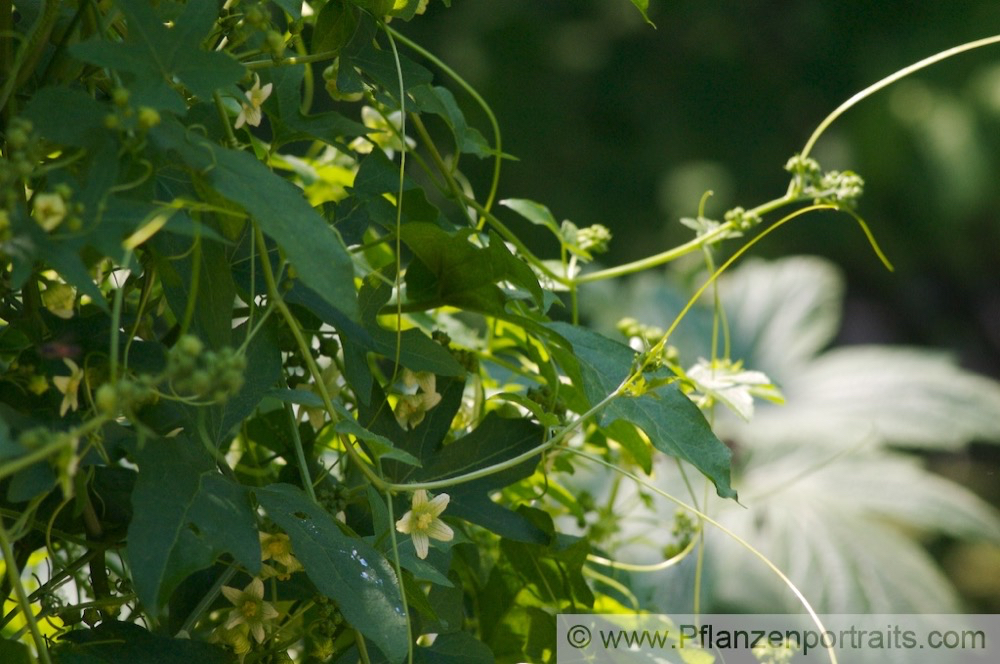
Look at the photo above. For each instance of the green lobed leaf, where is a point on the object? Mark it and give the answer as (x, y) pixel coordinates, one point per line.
(673, 423)
(346, 569)
(263, 370)
(452, 270)
(68, 116)
(115, 642)
(678, 428)
(380, 65)
(536, 213)
(153, 55)
(311, 245)
(12, 652)
(495, 440)
(336, 24)
(555, 569)
(416, 350)
(8, 446)
(643, 7)
(292, 7)
(380, 446)
(284, 109)
(455, 648)
(186, 514)
(213, 300)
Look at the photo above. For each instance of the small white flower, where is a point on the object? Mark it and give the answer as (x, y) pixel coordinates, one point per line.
(250, 113)
(422, 522)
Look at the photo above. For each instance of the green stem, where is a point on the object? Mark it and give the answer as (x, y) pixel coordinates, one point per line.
(207, 600)
(637, 567)
(498, 157)
(509, 236)
(673, 254)
(300, 455)
(116, 321)
(658, 348)
(456, 191)
(30, 50)
(889, 80)
(14, 575)
(707, 519)
(227, 126)
(294, 60)
(20, 463)
(399, 575)
(399, 203)
(314, 371)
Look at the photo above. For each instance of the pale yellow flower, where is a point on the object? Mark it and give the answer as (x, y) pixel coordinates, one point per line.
(50, 210)
(278, 547)
(250, 113)
(69, 386)
(60, 299)
(422, 522)
(236, 638)
(251, 609)
(411, 408)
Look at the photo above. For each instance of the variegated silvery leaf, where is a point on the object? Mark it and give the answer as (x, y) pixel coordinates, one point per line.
(845, 529)
(884, 396)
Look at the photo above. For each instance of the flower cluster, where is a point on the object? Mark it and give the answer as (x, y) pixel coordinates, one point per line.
(834, 187)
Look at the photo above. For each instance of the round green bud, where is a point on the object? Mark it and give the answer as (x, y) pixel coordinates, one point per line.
(255, 16)
(111, 121)
(189, 345)
(148, 117)
(120, 96)
(106, 400)
(17, 138)
(275, 42)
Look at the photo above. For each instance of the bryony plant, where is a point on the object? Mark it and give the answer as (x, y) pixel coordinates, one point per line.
(257, 322)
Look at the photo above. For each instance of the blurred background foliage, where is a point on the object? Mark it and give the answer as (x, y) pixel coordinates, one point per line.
(614, 122)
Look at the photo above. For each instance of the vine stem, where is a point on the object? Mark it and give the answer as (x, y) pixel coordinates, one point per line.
(889, 80)
(14, 575)
(520, 458)
(30, 49)
(206, 601)
(314, 371)
(729, 533)
(471, 91)
(399, 575)
(673, 254)
(639, 567)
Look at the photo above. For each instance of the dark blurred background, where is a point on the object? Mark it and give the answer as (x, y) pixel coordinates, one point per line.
(618, 123)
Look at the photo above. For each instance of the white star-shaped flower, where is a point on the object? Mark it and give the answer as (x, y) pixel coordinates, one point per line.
(250, 113)
(422, 522)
